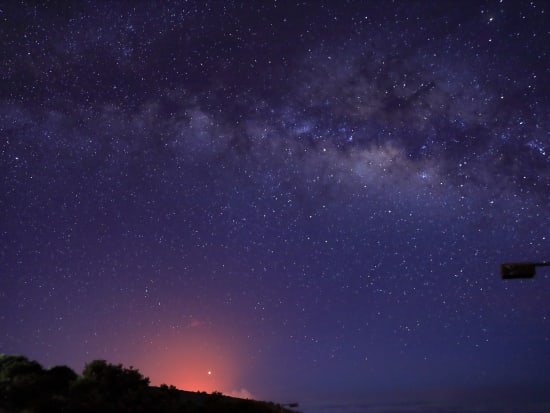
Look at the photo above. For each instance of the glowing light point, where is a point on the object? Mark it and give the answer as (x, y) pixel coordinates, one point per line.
(209, 373)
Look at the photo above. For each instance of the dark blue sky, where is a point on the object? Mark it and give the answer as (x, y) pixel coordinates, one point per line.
(289, 200)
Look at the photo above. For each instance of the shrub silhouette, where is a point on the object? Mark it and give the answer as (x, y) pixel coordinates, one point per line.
(60, 379)
(21, 381)
(111, 388)
(107, 388)
(114, 377)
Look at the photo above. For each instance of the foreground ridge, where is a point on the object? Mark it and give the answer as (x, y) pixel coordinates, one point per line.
(25, 386)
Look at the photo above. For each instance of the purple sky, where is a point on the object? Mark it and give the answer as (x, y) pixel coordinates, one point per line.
(283, 200)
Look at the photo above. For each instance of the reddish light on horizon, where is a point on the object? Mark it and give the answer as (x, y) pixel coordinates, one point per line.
(194, 361)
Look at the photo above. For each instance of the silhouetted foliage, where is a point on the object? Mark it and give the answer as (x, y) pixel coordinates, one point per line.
(111, 388)
(61, 377)
(107, 388)
(21, 381)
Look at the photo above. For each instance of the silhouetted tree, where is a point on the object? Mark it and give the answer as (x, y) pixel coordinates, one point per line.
(21, 381)
(61, 377)
(108, 387)
(26, 387)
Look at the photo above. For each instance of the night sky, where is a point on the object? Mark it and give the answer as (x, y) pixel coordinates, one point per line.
(292, 201)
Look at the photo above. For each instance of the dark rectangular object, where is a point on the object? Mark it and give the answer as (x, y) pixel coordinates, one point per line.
(517, 270)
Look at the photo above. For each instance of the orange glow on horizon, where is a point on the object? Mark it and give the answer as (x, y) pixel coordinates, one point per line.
(191, 360)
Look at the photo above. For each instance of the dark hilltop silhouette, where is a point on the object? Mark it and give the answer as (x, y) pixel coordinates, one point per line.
(25, 386)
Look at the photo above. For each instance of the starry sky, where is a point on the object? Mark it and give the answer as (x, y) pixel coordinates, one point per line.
(295, 201)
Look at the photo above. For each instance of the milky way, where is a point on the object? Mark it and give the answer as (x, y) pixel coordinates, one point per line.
(286, 201)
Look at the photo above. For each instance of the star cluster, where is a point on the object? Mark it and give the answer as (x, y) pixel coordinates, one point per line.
(285, 200)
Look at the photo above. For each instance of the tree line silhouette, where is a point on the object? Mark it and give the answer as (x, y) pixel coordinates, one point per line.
(25, 386)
